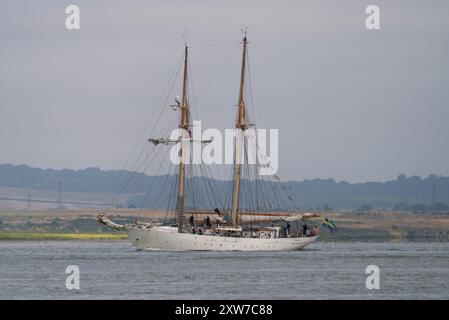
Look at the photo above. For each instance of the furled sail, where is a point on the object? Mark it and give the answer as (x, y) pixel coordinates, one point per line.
(307, 215)
(104, 220)
(165, 141)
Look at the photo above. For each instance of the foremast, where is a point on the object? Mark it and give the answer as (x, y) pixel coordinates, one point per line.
(240, 135)
(185, 137)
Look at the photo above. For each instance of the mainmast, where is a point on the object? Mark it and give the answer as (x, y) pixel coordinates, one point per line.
(240, 131)
(185, 136)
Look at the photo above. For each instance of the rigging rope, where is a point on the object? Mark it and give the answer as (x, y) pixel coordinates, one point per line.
(213, 44)
(169, 86)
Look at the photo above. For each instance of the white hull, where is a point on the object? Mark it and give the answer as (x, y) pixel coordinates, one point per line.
(168, 238)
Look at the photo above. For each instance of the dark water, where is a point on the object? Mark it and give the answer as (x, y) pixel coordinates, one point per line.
(114, 270)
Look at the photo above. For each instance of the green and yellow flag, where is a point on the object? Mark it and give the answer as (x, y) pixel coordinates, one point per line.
(329, 224)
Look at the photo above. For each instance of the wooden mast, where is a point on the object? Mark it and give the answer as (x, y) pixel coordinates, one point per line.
(240, 131)
(185, 135)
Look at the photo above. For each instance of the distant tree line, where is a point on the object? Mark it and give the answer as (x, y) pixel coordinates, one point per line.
(414, 194)
(421, 207)
(409, 207)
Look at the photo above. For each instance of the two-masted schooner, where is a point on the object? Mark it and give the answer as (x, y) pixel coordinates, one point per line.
(216, 232)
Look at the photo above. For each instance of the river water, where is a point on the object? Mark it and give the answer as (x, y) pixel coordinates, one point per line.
(115, 270)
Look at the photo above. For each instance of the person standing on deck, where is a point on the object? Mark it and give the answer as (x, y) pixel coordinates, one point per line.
(304, 229)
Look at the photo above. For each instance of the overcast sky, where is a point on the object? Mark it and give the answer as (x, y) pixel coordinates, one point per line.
(351, 104)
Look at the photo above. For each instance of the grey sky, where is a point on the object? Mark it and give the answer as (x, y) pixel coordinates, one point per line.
(350, 103)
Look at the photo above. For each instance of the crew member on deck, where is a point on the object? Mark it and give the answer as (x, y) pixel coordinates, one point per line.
(304, 229)
(191, 220)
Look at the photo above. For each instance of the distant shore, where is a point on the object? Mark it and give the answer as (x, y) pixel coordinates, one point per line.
(81, 224)
(25, 235)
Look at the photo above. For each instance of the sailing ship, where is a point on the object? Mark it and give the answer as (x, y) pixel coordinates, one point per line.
(219, 231)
